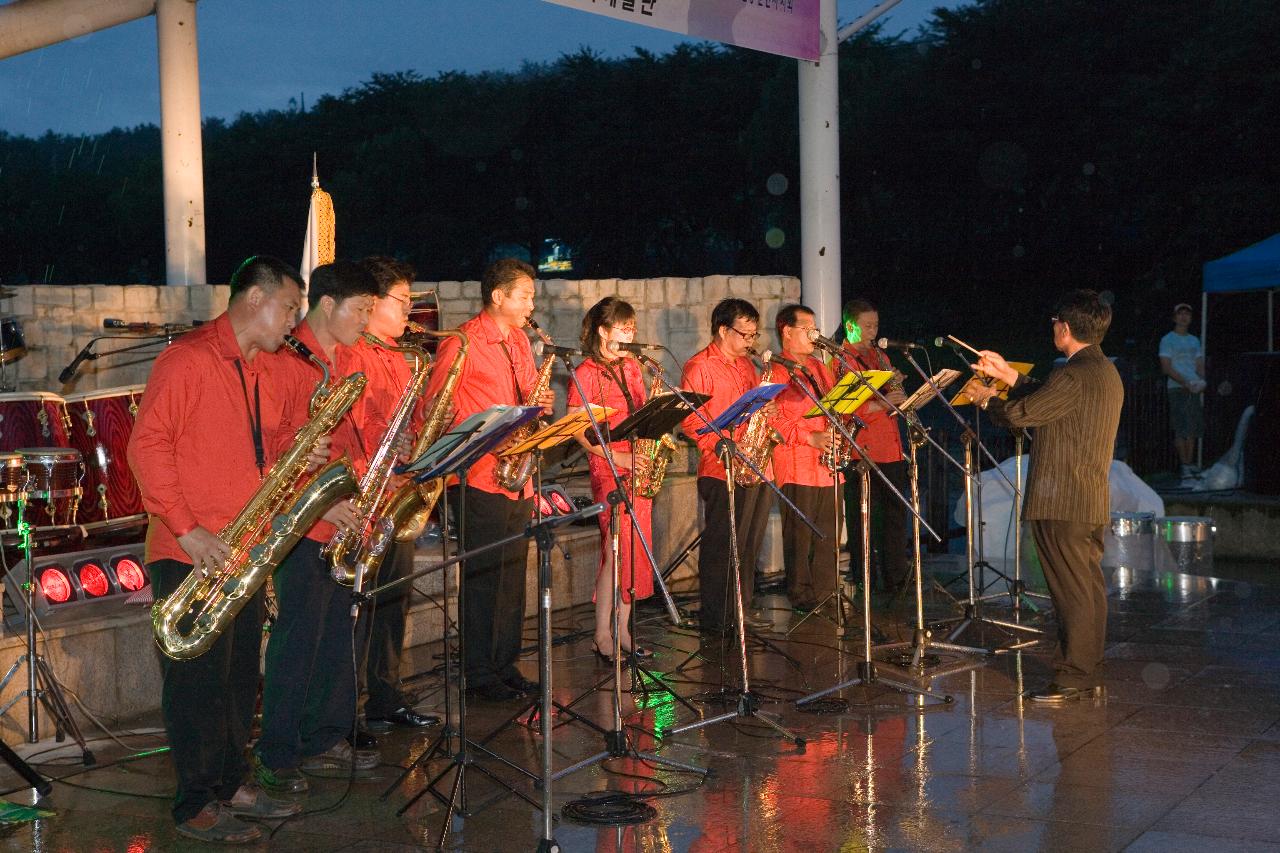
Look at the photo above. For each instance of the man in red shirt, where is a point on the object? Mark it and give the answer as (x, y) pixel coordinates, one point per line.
(498, 370)
(797, 464)
(725, 371)
(388, 374)
(213, 420)
(882, 441)
(309, 691)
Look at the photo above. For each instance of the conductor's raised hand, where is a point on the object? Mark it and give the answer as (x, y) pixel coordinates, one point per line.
(993, 364)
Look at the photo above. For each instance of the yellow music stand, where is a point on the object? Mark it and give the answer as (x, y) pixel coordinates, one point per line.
(853, 389)
(562, 430)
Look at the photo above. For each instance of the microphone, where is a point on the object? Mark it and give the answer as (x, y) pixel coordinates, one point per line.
(890, 343)
(818, 338)
(70, 370)
(554, 349)
(784, 361)
(113, 323)
(618, 346)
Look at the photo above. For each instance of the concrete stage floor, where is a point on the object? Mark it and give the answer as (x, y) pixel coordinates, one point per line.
(1183, 753)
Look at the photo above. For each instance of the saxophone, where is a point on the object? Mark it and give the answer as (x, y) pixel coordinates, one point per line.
(285, 506)
(514, 471)
(351, 554)
(650, 456)
(404, 515)
(759, 438)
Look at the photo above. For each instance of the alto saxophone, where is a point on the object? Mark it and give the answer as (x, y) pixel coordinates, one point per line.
(759, 438)
(285, 506)
(352, 553)
(405, 514)
(514, 471)
(651, 456)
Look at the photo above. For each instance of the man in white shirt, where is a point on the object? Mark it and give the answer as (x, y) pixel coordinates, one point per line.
(1182, 360)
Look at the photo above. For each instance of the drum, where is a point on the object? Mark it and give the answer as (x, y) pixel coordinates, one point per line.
(100, 423)
(13, 345)
(53, 484)
(1190, 542)
(32, 419)
(1130, 542)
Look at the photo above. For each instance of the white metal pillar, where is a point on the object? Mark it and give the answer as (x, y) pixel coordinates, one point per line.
(180, 145)
(820, 177)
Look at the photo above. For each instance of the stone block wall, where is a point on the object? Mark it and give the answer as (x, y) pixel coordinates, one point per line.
(58, 320)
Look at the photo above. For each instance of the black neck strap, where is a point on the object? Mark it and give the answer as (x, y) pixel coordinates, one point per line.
(255, 420)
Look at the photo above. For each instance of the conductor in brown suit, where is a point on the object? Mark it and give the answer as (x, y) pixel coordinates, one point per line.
(1076, 412)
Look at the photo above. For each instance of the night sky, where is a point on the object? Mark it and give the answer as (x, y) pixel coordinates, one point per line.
(257, 54)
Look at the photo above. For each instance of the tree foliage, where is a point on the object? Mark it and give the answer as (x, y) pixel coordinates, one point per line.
(1019, 147)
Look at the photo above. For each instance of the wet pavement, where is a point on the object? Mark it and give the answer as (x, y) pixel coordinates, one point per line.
(1182, 752)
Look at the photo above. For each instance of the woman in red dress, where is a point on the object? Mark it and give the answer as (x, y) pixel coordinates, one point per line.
(614, 379)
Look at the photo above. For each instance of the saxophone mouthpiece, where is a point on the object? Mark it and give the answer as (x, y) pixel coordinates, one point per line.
(298, 346)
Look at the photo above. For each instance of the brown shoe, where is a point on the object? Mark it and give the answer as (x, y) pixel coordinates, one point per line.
(217, 824)
(252, 802)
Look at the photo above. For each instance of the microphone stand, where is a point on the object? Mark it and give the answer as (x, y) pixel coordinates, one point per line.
(972, 604)
(87, 353)
(866, 668)
(748, 703)
(616, 742)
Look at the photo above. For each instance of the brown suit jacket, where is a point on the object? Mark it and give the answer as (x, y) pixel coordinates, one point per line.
(1076, 412)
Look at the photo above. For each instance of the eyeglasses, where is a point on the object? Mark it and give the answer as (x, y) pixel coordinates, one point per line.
(747, 337)
(626, 329)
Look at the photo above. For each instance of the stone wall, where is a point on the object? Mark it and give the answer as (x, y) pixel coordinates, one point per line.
(58, 320)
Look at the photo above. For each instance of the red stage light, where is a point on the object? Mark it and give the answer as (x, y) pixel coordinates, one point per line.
(56, 585)
(132, 577)
(93, 580)
(544, 507)
(561, 502)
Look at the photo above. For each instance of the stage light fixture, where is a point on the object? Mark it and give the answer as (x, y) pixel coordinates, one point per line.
(80, 584)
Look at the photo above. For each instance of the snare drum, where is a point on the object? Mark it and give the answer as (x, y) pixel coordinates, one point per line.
(100, 424)
(32, 419)
(53, 484)
(13, 345)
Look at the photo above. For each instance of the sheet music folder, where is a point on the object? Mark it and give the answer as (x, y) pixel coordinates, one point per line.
(847, 395)
(560, 431)
(744, 407)
(465, 443)
(657, 417)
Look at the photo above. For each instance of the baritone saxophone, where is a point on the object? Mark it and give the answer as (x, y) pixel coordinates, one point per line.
(286, 505)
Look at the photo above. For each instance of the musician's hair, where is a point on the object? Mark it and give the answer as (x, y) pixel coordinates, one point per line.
(340, 280)
(609, 311)
(852, 309)
(388, 272)
(502, 275)
(264, 272)
(1085, 314)
(788, 315)
(727, 312)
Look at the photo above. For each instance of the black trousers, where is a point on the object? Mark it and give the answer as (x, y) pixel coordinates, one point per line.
(1071, 556)
(309, 695)
(208, 702)
(494, 586)
(895, 569)
(388, 616)
(751, 514)
(810, 562)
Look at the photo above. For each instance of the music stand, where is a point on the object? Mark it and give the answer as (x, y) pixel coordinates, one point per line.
(454, 453)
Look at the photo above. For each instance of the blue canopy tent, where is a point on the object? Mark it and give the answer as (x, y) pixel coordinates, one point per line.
(1255, 267)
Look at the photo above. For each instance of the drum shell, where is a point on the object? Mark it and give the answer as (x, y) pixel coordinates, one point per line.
(54, 478)
(1130, 541)
(32, 419)
(1189, 540)
(100, 425)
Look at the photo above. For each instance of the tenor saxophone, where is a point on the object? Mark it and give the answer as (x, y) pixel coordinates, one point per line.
(759, 438)
(286, 505)
(354, 553)
(651, 456)
(514, 471)
(406, 513)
